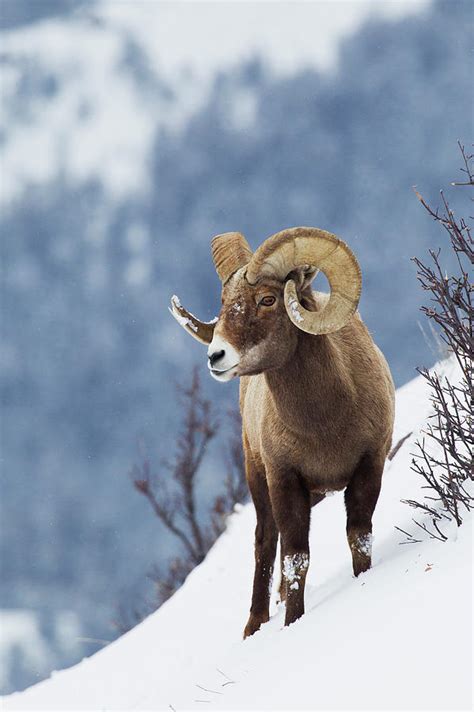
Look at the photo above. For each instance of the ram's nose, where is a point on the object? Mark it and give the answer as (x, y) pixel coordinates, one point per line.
(215, 356)
(223, 359)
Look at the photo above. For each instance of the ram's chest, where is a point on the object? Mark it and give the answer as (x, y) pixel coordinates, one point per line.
(323, 452)
(324, 457)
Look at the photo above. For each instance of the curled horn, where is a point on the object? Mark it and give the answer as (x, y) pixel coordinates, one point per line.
(203, 331)
(230, 252)
(309, 247)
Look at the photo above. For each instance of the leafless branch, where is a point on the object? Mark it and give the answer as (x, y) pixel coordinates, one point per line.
(397, 447)
(467, 170)
(444, 456)
(205, 689)
(172, 494)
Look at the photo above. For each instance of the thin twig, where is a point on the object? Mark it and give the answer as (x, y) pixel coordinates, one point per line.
(214, 692)
(397, 447)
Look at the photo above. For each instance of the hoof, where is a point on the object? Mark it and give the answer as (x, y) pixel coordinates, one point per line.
(292, 616)
(361, 564)
(361, 548)
(253, 624)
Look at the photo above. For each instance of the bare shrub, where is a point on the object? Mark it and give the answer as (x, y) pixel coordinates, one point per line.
(444, 456)
(173, 494)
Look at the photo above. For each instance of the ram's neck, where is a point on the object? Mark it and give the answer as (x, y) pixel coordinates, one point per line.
(307, 388)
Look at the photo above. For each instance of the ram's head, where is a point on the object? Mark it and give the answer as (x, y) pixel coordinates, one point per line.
(267, 294)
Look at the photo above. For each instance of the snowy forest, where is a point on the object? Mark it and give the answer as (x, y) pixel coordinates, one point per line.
(95, 240)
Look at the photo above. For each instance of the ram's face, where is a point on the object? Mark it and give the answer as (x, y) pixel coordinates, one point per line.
(264, 302)
(253, 332)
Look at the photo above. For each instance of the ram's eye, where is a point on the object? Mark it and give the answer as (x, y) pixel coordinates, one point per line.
(267, 301)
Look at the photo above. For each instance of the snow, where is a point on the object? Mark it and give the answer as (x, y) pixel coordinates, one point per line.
(293, 566)
(295, 310)
(397, 637)
(183, 320)
(364, 544)
(238, 308)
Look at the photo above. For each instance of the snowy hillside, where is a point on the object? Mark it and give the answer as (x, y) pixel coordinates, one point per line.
(388, 640)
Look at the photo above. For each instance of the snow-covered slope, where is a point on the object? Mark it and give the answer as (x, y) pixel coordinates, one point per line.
(397, 637)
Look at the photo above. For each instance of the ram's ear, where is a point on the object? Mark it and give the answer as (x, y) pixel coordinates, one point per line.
(202, 331)
(230, 252)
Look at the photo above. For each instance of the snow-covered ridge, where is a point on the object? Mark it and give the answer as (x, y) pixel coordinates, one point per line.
(386, 640)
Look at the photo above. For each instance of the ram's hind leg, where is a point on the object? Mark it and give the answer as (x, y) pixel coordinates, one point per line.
(361, 497)
(266, 536)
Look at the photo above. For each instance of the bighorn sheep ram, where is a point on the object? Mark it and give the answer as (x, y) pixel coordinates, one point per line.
(316, 396)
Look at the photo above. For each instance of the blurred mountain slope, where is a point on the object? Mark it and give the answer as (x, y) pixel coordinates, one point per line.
(112, 191)
(16, 13)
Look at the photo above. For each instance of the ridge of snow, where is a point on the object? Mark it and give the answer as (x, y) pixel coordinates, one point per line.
(386, 640)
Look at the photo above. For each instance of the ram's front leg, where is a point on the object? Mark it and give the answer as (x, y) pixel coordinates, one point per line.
(291, 508)
(266, 536)
(282, 588)
(361, 498)
(315, 498)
